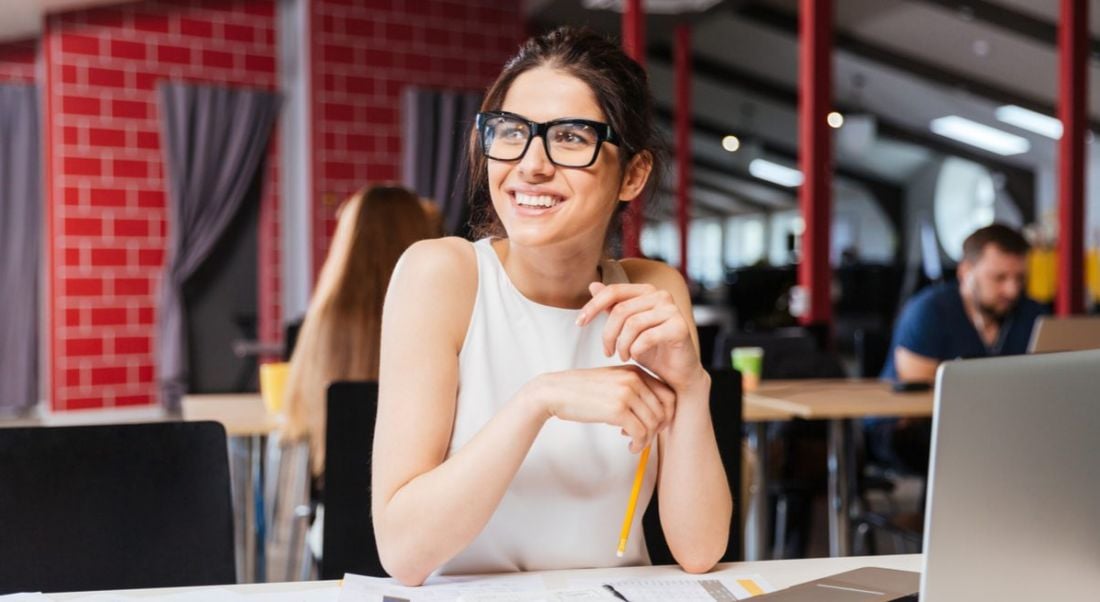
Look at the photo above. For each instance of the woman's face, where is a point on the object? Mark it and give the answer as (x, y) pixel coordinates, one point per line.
(581, 199)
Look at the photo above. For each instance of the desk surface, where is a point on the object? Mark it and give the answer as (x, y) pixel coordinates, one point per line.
(243, 414)
(816, 399)
(781, 574)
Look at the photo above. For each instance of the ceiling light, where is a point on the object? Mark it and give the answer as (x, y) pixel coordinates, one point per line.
(979, 135)
(1031, 121)
(776, 173)
(835, 120)
(731, 143)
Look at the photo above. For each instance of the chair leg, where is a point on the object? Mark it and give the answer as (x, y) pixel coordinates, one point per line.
(779, 547)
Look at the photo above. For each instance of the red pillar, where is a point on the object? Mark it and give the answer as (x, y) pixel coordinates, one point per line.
(1073, 39)
(814, 156)
(682, 59)
(634, 45)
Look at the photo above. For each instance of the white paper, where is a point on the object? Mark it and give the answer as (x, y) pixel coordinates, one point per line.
(531, 588)
(24, 597)
(357, 588)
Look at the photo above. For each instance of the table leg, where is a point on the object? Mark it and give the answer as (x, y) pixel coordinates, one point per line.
(248, 575)
(758, 529)
(839, 476)
(254, 531)
(259, 481)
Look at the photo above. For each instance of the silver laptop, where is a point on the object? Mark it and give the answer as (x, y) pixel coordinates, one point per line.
(1075, 333)
(1014, 489)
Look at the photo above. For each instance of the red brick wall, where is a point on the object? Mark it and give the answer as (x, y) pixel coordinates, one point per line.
(17, 61)
(106, 211)
(364, 53)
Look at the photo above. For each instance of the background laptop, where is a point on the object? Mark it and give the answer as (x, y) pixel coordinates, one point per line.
(1014, 489)
(1076, 333)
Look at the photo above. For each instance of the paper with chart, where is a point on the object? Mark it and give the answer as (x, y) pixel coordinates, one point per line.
(685, 588)
(532, 588)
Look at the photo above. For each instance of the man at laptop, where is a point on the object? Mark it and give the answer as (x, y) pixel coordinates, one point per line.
(984, 314)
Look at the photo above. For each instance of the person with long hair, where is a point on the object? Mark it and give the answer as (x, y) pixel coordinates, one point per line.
(522, 374)
(340, 335)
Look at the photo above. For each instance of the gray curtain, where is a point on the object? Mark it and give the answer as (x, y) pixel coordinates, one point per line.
(215, 142)
(436, 131)
(20, 240)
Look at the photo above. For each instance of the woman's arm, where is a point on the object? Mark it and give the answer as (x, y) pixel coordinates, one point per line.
(427, 510)
(652, 323)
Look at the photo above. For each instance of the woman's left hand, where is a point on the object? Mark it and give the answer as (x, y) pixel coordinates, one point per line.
(645, 324)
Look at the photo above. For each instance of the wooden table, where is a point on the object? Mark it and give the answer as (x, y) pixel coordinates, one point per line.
(780, 573)
(244, 416)
(838, 401)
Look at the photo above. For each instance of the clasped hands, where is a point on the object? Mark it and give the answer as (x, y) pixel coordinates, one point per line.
(645, 325)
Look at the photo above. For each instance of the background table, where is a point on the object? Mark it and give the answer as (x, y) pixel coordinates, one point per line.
(244, 416)
(838, 401)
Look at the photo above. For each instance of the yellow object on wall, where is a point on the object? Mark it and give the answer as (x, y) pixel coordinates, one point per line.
(1042, 274)
(1092, 273)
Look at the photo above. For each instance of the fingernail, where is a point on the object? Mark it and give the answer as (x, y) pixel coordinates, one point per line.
(580, 319)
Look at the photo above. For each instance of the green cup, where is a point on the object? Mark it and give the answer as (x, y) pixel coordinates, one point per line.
(749, 361)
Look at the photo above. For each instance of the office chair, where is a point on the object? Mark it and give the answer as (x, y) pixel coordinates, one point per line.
(725, 413)
(348, 545)
(115, 507)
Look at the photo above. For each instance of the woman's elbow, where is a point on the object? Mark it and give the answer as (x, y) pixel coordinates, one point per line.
(402, 567)
(700, 561)
(399, 560)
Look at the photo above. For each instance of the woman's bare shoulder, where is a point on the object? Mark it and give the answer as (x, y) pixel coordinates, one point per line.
(436, 281)
(657, 273)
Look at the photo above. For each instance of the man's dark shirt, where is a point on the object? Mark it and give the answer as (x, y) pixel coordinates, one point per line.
(934, 324)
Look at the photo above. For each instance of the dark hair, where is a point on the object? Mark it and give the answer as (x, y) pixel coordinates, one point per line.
(1001, 236)
(620, 86)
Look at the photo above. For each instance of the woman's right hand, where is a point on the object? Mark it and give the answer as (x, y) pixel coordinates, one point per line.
(624, 396)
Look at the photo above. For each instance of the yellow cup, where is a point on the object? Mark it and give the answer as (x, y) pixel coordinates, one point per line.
(273, 385)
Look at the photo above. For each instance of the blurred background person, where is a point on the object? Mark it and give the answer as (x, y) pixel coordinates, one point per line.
(339, 339)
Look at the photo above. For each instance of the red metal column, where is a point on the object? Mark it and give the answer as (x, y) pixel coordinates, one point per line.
(682, 59)
(1073, 88)
(634, 45)
(814, 154)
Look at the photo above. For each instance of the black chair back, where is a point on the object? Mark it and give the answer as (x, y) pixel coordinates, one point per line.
(788, 353)
(725, 413)
(348, 545)
(115, 507)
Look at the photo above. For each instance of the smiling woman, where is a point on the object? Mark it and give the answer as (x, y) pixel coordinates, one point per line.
(512, 368)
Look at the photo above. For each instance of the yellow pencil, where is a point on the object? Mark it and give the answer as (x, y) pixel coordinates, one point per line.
(633, 503)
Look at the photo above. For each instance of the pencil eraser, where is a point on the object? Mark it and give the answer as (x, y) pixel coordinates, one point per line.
(618, 553)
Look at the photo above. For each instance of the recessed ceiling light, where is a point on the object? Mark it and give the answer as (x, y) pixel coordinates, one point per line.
(731, 143)
(776, 173)
(980, 135)
(1031, 121)
(835, 119)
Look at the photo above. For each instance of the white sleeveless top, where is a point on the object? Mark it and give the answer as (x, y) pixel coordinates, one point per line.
(564, 508)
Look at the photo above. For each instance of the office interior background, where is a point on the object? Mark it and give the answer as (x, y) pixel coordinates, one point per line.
(944, 119)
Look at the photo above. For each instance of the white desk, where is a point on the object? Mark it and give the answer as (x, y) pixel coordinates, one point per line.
(781, 574)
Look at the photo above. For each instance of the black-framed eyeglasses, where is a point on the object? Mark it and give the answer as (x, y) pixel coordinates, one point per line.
(568, 142)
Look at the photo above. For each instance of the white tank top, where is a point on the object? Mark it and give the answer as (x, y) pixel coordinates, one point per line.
(564, 508)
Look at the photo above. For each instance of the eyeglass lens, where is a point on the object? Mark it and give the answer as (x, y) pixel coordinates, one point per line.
(568, 144)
